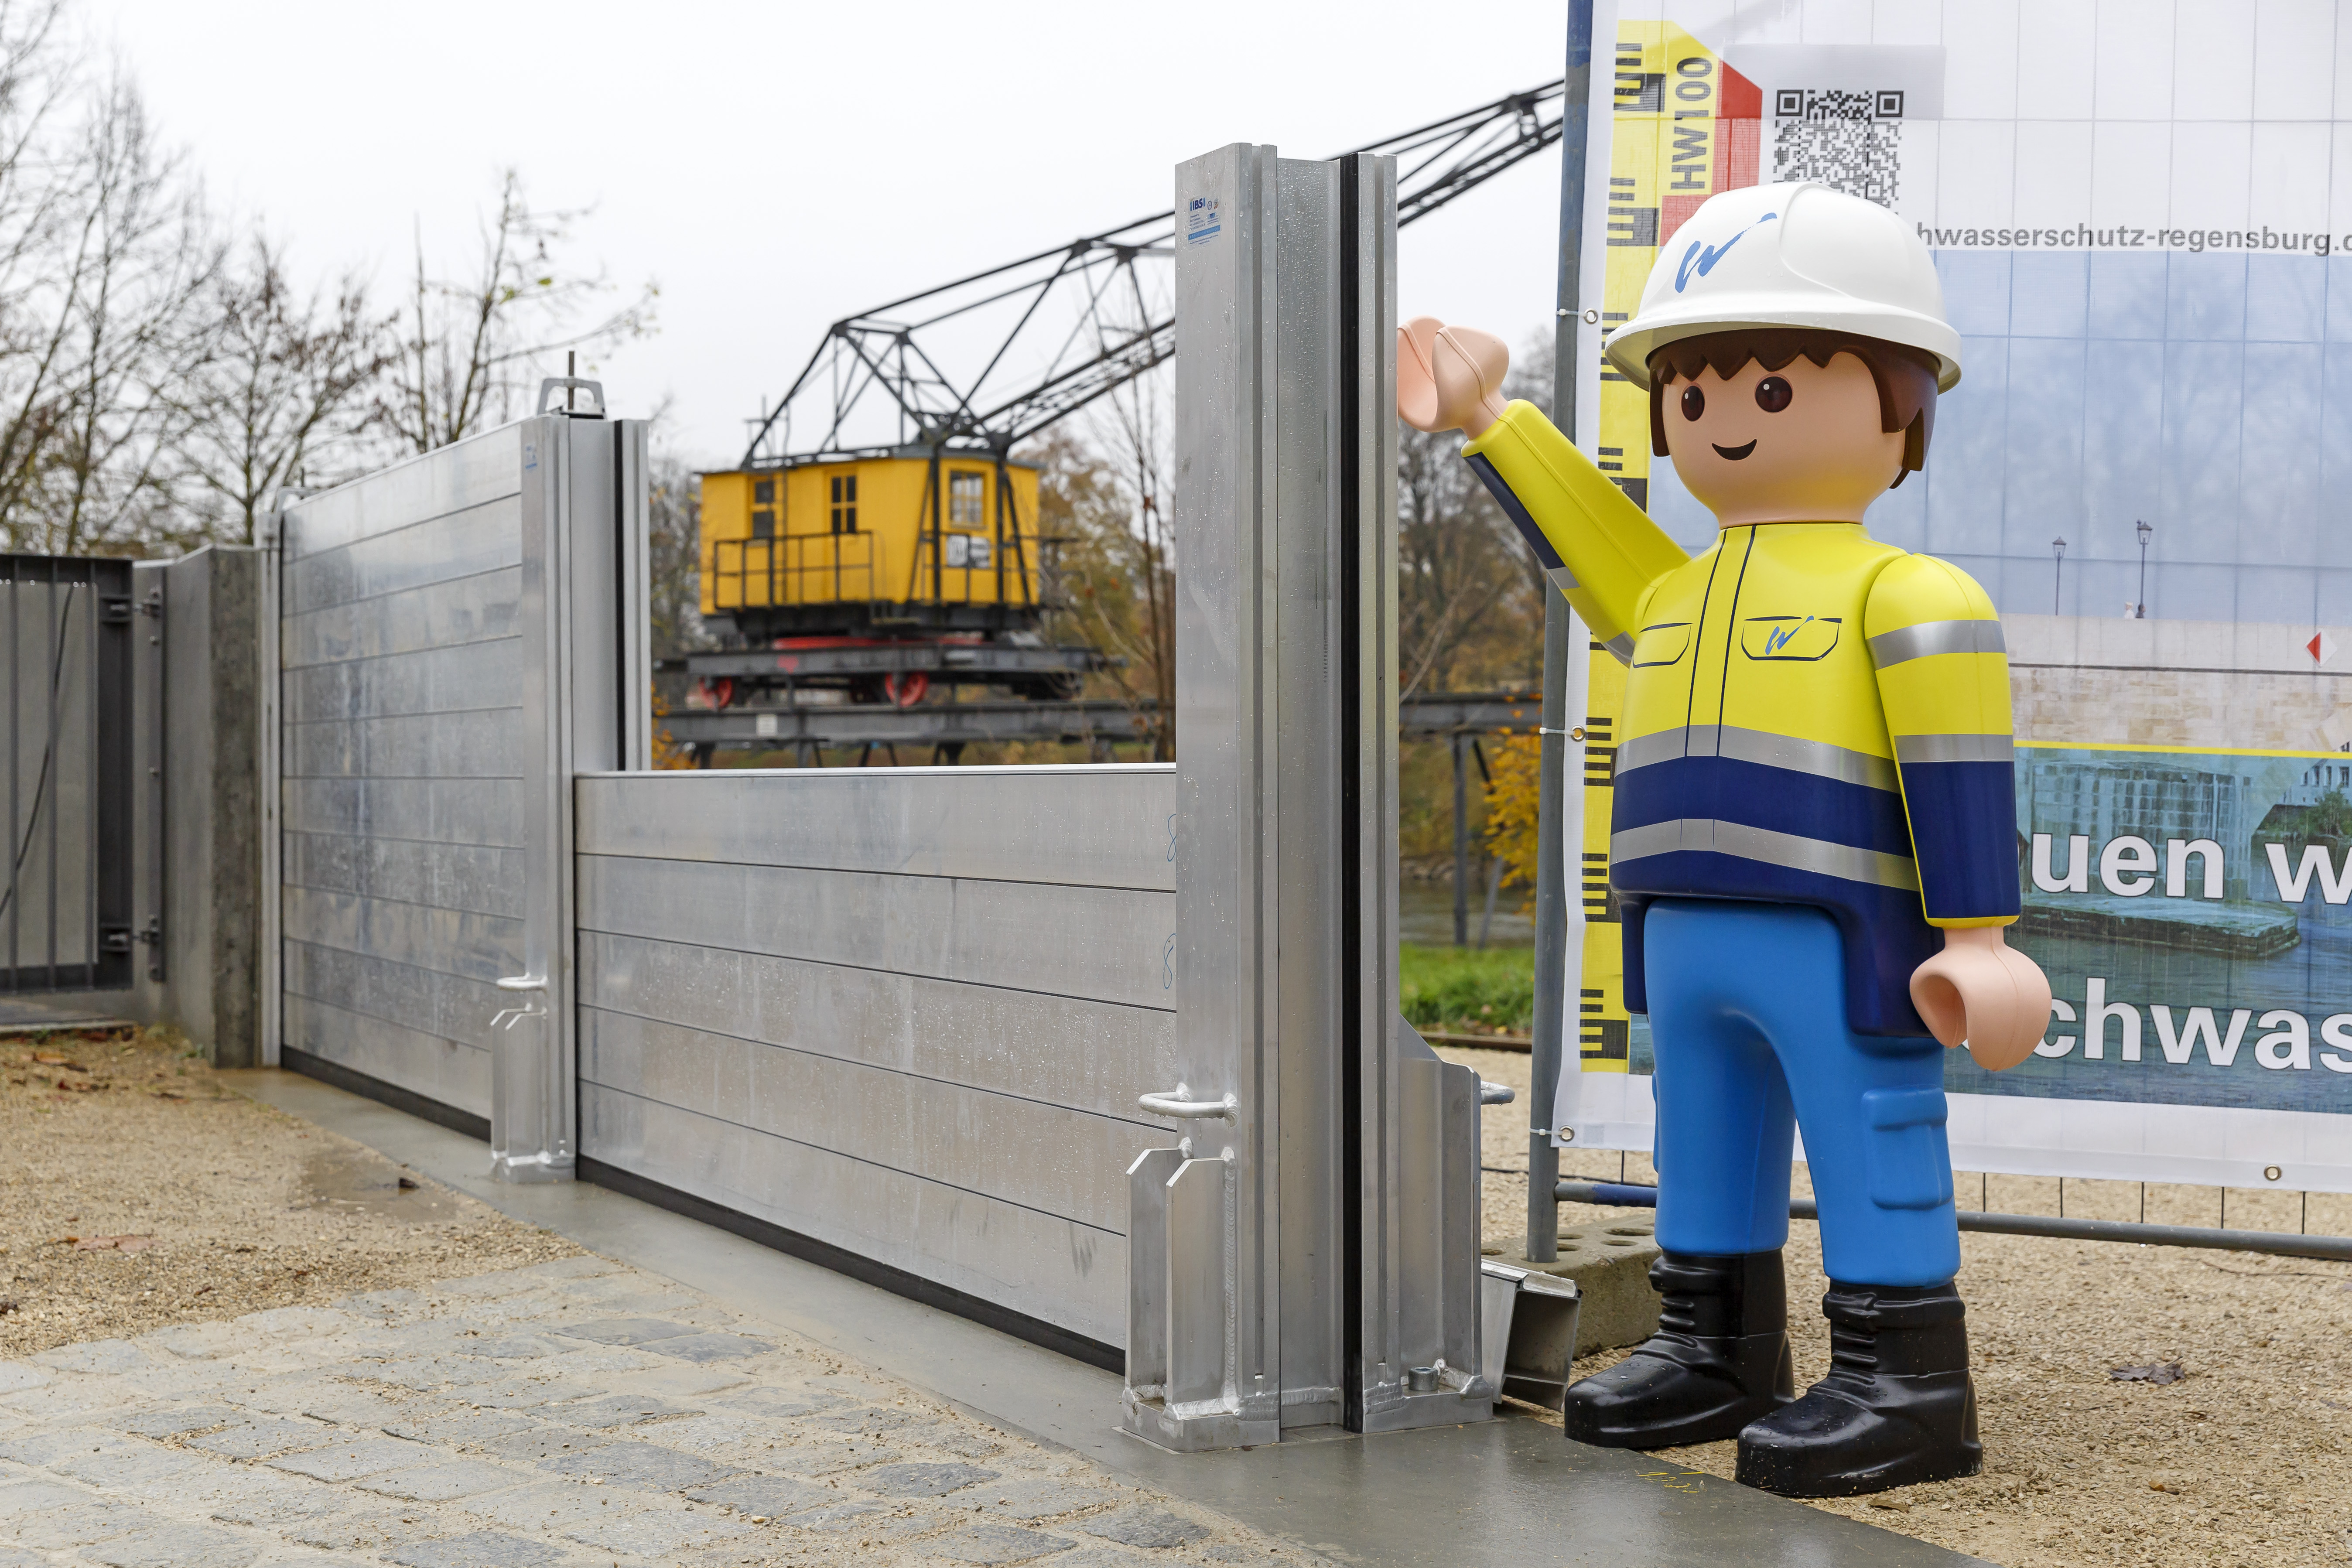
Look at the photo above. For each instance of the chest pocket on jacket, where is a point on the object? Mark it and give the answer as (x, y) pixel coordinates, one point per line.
(1664, 643)
(1798, 638)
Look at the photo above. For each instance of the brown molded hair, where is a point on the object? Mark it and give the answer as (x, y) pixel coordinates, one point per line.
(1906, 376)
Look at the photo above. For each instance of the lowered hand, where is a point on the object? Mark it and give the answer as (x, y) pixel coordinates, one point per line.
(1983, 993)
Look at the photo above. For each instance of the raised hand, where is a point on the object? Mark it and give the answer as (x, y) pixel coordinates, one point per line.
(1984, 993)
(1449, 377)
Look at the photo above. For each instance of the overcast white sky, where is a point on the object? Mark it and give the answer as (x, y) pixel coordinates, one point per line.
(777, 166)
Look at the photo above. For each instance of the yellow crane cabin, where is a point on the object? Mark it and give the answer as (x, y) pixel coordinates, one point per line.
(890, 544)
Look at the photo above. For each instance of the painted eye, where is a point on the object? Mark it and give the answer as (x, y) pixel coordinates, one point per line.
(1773, 395)
(1694, 403)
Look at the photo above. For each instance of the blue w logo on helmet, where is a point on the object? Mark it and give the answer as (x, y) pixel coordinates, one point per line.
(1707, 256)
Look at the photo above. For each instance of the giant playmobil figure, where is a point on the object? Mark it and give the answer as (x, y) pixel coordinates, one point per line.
(1814, 844)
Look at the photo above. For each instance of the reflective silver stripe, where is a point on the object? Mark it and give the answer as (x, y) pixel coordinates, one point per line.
(1561, 578)
(1621, 647)
(1666, 746)
(1956, 748)
(1818, 758)
(1889, 649)
(1704, 833)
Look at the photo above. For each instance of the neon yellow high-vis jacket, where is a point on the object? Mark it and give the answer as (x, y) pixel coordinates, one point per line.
(1811, 717)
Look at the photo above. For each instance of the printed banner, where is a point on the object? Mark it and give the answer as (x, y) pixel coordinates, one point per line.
(2141, 225)
(2193, 910)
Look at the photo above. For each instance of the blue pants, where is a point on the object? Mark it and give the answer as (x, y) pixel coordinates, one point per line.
(1747, 1015)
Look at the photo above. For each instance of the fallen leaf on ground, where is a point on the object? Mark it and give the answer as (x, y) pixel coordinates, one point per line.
(114, 1244)
(46, 1060)
(7, 1305)
(2157, 1372)
(2164, 1487)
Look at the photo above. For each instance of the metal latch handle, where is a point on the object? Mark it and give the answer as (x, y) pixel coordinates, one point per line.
(1178, 1103)
(506, 1018)
(1496, 1093)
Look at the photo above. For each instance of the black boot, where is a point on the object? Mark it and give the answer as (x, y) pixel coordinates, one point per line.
(1896, 1408)
(1719, 1361)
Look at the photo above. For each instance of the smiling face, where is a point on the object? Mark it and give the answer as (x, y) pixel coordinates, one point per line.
(1800, 444)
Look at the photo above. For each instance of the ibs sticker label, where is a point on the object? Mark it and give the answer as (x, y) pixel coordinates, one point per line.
(1201, 221)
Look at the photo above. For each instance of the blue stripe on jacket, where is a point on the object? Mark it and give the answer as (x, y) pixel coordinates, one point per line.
(1545, 554)
(1964, 820)
(1885, 933)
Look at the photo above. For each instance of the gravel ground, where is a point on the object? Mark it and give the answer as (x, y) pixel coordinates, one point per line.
(136, 1192)
(2240, 1462)
(198, 1281)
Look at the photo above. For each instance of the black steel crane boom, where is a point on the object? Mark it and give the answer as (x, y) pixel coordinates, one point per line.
(1083, 321)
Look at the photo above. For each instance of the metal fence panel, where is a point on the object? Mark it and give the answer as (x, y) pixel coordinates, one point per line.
(66, 875)
(455, 647)
(884, 1009)
(401, 700)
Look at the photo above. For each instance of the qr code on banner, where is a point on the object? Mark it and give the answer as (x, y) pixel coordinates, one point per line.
(1850, 141)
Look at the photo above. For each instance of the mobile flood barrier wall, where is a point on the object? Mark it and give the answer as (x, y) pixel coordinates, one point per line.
(901, 1017)
(1108, 1055)
(459, 634)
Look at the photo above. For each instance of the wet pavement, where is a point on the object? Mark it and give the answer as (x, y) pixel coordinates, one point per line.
(575, 1412)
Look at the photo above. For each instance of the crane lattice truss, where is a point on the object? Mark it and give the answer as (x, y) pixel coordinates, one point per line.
(1035, 340)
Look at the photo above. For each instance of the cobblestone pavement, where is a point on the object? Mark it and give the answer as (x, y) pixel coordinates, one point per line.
(575, 1412)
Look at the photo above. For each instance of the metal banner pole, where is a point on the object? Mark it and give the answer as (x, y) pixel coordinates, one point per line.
(1564, 639)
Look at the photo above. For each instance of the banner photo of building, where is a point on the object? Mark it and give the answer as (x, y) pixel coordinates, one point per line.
(2143, 226)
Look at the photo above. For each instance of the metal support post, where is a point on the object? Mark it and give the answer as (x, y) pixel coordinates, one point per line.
(1461, 839)
(1308, 1255)
(1554, 963)
(1558, 834)
(584, 707)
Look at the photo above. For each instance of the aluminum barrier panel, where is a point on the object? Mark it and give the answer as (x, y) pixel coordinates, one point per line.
(403, 705)
(900, 1013)
(453, 649)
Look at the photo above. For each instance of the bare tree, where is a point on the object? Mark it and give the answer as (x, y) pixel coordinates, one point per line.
(1111, 588)
(104, 247)
(283, 392)
(1132, 424)
(1457, 557)
(674, 557)
(1469, 592)
(39, 192)
(473, 346)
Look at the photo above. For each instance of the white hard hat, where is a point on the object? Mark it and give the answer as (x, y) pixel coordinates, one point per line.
(1790, 256)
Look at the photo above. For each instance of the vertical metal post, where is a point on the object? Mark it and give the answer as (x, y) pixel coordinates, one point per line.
(531, 1098)
(94, 806)
(1461, 838)
(1222, 1244)
(158, 968)
(1564, 639)
(17, 836)
(53, 634)
(269, 742)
